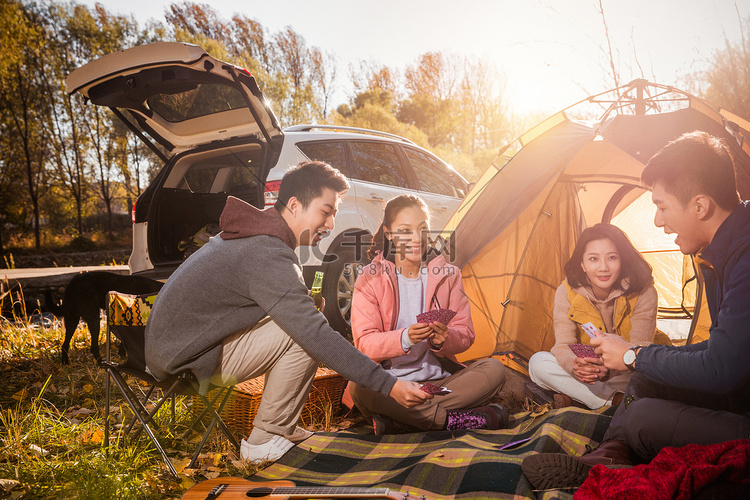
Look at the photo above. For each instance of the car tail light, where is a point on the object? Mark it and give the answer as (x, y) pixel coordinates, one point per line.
(132, 213)
(271, 192)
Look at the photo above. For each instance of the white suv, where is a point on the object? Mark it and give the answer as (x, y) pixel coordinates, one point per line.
(219, 137)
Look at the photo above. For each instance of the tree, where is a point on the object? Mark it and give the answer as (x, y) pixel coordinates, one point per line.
(293, 60)
(371, 76)
(25, 111)
(432, 105)
(198, 18)
(323, 71)
(250, 41)
(728, 78)
(108, 154)
(374, 110)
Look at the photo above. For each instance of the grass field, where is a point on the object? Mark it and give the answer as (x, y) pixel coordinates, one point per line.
(51, 429)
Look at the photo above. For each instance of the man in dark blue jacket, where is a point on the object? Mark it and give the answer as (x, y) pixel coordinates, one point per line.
(691, 394)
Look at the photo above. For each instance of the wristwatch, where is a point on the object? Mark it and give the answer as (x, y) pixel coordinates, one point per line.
(629, 357)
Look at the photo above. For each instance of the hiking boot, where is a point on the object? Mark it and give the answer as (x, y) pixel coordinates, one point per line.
(382, 425)
(491, 417)
(557, 470)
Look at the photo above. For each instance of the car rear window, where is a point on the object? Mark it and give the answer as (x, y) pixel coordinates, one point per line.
(232, 171)
(333, 153)
(377, 162)
(200, 100)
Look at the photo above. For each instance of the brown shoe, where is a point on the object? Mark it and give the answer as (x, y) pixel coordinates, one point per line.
(565, 401)
(557, 470)
(617, 398)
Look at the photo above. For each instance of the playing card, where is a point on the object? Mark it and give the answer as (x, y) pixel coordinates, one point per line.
(583, 350)
(434, 389)
(513, 444)
(590, 329)
(440, 315)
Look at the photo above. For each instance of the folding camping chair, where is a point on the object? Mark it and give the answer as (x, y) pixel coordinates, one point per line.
(126, 319)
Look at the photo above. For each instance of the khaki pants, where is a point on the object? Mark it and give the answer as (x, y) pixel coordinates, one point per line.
(265, 349)
(472, 387)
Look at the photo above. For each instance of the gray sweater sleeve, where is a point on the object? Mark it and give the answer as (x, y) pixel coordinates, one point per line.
(278, 288)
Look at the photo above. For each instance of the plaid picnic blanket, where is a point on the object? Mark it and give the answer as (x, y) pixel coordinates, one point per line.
(440, 464)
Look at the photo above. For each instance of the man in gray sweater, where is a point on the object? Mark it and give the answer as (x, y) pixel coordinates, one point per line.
(238, 308)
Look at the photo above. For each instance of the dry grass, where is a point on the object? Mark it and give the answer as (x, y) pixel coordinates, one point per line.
(51, 429)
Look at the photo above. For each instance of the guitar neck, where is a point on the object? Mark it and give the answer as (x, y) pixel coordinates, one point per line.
(334, 492)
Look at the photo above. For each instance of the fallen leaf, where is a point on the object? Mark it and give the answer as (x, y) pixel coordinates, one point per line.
(88, 388)
(180, 465)
(541, 411)
(20, 395)
(211, 475)
(186, 482)
(38, 451)
(538, 413)
(8, 484)
(81, 411)
(97, 437)
(217, 459)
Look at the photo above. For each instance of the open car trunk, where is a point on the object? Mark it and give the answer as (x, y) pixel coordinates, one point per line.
(192, 195)
(209, 123)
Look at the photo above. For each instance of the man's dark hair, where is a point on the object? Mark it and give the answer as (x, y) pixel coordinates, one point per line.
(695, 163)
(307, 180)
(634, 269)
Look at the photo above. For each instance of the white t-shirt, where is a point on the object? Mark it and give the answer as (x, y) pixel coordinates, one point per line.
(419, 363)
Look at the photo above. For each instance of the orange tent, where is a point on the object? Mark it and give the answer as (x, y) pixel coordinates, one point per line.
(516, 229)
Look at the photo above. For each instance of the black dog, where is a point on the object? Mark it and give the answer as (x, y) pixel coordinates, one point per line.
(86, 295)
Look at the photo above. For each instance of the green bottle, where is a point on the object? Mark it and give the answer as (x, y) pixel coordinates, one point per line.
(316, 292)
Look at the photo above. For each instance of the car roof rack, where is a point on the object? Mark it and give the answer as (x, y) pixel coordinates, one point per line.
(307, 128)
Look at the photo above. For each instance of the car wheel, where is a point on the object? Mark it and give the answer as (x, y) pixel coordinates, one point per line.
(338, 287)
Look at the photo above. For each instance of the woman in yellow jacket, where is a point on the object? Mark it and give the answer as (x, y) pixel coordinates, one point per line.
(609, 284)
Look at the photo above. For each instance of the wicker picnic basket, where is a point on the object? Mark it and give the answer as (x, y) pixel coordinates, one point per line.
(324, 400)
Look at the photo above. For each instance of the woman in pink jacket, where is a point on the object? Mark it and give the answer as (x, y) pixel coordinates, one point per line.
(390, 292)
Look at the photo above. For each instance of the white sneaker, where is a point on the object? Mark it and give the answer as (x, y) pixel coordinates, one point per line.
(299, 435)
(272, 450)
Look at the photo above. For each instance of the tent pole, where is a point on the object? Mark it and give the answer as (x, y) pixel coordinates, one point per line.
(640, 104)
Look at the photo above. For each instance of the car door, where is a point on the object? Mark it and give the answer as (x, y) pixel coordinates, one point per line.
(439, 185)
(377, 175)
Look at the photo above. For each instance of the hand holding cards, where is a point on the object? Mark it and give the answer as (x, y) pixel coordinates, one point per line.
(440, 315)
(583, 351)
(434, 389)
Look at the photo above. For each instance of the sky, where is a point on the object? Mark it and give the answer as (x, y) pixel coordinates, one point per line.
(548, 54)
